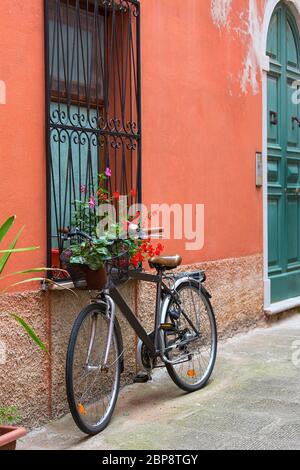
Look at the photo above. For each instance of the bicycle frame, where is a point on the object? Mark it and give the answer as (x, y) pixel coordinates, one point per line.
(119, 300)
(113, 297)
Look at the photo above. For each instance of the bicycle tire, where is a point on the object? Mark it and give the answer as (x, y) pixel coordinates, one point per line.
(184, 385)
(72, 399)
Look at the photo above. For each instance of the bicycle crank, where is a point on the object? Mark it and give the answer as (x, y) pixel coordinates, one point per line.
(145, 362)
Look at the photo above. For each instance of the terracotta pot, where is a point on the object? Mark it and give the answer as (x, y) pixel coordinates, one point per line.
(95, 280)
(9, 436)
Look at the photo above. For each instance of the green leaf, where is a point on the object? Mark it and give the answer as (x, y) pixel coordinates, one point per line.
(25, 281)
(95, 265)
(30, 332)
(6, 256)
(102, 251)
(9, 416)
(77, 260)
(39, 279)
(20, 250)
(34, 270)
(6, 226)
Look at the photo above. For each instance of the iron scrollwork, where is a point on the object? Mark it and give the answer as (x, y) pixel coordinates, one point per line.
(93, 98)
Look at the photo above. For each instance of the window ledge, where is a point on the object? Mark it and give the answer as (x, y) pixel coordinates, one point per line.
(63, 285)
(283, 306)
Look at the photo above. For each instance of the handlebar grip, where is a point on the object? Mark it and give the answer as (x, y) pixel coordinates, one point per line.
(154, 231)
(146, 232)
(64, 231)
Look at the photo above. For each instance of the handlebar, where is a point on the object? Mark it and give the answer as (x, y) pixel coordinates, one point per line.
(68, 234)
(154, 231)
(144, 233)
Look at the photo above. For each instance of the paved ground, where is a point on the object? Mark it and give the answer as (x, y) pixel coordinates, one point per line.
(252, 402)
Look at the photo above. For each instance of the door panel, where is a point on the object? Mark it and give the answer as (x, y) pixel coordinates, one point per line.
(292, 226)
(283, 156)
(275, 210)
(273, 109)
(273, 47)
(292, 53)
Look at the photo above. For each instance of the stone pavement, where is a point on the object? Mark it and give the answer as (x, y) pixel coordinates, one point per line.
(252, 402)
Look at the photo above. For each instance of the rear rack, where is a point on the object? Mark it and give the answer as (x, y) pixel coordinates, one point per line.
(199, 276)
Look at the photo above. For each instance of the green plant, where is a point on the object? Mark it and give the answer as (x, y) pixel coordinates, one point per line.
(91, 254)
(94, 253)
(5, 255)
(9, 416)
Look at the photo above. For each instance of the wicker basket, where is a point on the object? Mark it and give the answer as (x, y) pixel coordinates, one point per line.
(117, 268)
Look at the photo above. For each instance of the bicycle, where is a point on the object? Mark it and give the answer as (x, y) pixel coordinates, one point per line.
(184, 340)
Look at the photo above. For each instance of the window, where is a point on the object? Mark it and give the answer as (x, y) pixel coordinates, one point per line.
(93, 104)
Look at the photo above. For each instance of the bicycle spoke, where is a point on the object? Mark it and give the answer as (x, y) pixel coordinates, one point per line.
(194, 317)
(93, 390)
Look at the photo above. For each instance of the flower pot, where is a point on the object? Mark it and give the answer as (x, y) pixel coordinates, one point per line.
(9, 436)
(95, 280)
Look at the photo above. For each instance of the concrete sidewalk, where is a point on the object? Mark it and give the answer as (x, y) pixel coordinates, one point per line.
(252, 402)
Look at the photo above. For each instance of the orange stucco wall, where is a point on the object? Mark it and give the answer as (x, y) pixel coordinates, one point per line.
(201, 131)
(200, 128)
(22, 140)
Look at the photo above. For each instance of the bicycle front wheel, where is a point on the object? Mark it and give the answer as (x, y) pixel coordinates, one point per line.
(192, 343)
(92, 392)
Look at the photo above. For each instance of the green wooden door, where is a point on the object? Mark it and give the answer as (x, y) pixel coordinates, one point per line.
(283, 156)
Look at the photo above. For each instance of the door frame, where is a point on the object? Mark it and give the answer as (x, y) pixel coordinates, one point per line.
(287, 304)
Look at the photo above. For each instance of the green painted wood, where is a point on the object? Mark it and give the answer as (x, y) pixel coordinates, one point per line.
(70, 159)
(283, 156)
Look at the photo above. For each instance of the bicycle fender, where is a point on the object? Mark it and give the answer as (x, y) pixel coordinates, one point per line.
(205, 292)
(187, 279)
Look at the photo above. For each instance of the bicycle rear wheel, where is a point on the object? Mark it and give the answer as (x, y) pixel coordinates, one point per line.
(196, 359)
(91, 391)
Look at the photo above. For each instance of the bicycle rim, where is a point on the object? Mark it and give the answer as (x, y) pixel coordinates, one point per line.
(197, 358)
(92, 392)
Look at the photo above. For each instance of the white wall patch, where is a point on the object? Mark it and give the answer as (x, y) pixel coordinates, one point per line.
(2, 92)
(249, 30)
(220, 10)
(252, 64)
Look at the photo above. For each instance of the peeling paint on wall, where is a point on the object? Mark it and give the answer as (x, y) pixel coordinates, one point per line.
(249, 30)
(252, 64)
(220, 10)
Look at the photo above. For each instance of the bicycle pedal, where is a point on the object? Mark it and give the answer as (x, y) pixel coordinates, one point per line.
(141, 378)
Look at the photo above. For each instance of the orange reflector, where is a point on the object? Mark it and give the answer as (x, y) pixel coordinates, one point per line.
(191, 373)
(81, 409)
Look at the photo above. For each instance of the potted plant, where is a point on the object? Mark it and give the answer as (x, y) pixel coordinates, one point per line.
(114, 247)
(87, 259)
(9, 416)
(9, 432)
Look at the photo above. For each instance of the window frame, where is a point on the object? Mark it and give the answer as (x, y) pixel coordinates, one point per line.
(51, 96)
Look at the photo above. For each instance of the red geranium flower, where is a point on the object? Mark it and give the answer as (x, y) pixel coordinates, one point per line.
(103, 196)
(116, 195)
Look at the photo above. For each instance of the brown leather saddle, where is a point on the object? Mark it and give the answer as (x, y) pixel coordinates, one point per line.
(165, 263)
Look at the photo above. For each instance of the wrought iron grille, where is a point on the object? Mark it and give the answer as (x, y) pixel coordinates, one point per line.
(93, 104)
